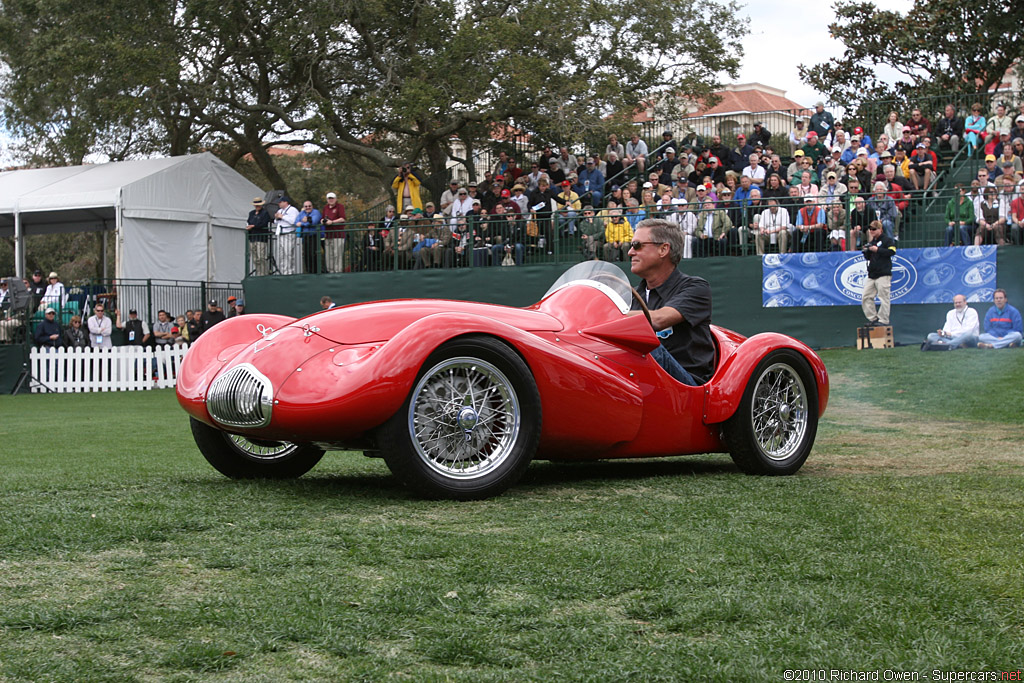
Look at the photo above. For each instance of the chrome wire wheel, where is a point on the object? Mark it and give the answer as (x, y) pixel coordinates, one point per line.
(779, 411)
(464, 418)
(264, 451)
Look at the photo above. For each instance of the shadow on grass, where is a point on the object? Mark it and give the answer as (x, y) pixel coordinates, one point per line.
(541, 474)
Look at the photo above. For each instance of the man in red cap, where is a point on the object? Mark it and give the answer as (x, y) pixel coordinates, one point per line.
(813, 147)
(865, 139)
(569, 206)
(741, 153)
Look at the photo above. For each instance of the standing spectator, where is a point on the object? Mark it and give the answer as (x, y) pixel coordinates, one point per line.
(335, 237)
(761, 135)
(194, 326)
(959, 217)
(136, 331)
(100, 328)
(407, 188)
(55, 294)
(36, 289)
(961, 327)
(231, 306)
(258, 228)
(309, 230)
(287, 251)
(75, 336)
(211, 316)
(949, 130)
(48, 334)
(822, 122)
(448, 197)
(636, 153)
(163, 329)
(878, 252)
(1002, 324)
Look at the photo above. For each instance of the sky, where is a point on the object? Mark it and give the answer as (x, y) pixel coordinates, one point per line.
(768, 57)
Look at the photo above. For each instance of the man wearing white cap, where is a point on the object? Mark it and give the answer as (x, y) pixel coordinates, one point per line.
(336, 238)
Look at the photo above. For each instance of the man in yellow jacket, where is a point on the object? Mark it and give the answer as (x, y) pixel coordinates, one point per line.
(618, 234)
(407, 188)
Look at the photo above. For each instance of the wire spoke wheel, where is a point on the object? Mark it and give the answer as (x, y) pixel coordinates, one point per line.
(779, 411)
(464, 418)
(262, 450)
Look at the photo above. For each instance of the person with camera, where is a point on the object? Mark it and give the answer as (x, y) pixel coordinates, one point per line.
(878, 251)
(407, 188)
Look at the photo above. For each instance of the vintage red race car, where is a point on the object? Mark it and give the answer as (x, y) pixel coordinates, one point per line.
(459, 397)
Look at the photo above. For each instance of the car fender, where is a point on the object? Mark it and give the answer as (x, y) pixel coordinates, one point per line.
(730, 381)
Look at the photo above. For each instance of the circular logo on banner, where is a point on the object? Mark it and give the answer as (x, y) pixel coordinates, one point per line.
(809, 259)
(982, 296)
(778, 280)
(939, 296)
(979, 275)
(779, 301)
(810, 283)
(772, 260)
(933, 254)
(974, 253)
(851, 274)
(939, 275)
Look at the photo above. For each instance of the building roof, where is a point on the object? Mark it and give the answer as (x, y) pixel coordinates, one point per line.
(742, 98)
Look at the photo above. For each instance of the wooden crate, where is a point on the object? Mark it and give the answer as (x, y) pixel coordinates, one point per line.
(875, 337)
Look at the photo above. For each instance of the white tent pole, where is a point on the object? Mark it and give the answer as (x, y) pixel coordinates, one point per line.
(19, 246)
(118, 236)
(209, 246)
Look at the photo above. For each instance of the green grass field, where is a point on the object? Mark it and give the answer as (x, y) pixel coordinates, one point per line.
(124, 556)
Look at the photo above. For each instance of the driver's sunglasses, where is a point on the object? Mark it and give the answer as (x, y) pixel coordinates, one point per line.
(637, 246)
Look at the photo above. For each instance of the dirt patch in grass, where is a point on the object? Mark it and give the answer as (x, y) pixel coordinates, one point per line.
(858, 437)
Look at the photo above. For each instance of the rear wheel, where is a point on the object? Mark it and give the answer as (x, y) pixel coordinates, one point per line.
(239, 457)
(773, 429)
(470, 425)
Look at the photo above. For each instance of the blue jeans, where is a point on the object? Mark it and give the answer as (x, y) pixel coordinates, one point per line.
(958, 342)
(670, 365)
(951, 231)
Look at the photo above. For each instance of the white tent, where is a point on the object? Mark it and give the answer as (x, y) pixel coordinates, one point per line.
(181, 217)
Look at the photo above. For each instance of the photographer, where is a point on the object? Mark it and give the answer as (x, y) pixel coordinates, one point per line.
(878, 250)
(407, 188)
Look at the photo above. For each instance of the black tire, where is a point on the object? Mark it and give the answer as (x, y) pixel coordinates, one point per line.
(241, 458)
(473, 442)
(773, 429)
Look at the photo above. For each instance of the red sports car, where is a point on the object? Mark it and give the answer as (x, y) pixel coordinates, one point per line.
(459, 397)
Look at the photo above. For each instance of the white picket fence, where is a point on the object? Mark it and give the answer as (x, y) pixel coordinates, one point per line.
(121, 368)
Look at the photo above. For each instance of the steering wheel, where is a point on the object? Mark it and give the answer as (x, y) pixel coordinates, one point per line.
(643, 305)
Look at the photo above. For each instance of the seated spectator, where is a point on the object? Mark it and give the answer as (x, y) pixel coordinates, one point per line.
(919, 126)
(555, 173)
(618, 234)
(836, 226)
(893, 128)
(961, 327)
(949, 130)
(614, 147)
(48, 334)
(991, 225)
(55, 294)
(814, 148)
(832, 190)
(797, 136)
(590, 184)
(591, 230)
(974, 129)
(851, 152)
(1008, 158)
(885, 209)
(810, 223)
(1002, 324)
(805, 186)
(774, 187)
(75, 336)
(716, 172)
(772, 227)
(754, 170)
(861, 216)
(636, 153)
(803, 164)
(996, 126)
(865, 139)
(1016, 218)
(959, 217)
(922, 167)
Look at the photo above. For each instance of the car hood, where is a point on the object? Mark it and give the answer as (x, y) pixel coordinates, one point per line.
(380, 321)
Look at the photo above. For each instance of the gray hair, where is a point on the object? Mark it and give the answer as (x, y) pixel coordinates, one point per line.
(888, 166)
(666, 233)
(879, 186)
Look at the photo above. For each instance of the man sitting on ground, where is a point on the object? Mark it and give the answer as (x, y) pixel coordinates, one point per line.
(680, 305)
(1003, 326)
(961, 328)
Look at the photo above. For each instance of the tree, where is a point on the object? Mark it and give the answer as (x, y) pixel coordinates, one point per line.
(939, 47)
(378, 81)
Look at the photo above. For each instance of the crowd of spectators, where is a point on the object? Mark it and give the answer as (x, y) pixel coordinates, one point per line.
(726, 198)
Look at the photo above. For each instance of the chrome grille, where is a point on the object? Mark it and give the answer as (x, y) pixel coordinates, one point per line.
(241, 397)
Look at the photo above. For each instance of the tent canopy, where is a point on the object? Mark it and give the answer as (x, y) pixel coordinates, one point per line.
(178, 216)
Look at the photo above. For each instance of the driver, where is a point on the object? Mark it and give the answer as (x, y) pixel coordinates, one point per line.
(680, 304)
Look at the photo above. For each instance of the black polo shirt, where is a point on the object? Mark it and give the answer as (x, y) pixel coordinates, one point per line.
(690, 341)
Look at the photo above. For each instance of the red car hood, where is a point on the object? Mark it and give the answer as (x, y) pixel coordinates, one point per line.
(380, 321)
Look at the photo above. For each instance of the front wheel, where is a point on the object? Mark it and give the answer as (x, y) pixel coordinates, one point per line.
(773, 429)
(470, 425)
(241, 458)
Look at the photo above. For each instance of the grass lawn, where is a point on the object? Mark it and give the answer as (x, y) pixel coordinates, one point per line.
(125, 556)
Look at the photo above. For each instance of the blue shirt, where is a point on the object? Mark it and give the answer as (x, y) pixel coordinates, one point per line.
(308, 222)
(596, 179)
(999, 322)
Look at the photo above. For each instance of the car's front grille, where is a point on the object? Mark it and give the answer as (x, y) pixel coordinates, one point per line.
(241, 397)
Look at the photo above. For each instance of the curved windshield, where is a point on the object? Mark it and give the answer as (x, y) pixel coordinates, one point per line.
(598, 274)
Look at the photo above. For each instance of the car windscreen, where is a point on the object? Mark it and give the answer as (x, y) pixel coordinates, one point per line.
(600, 275)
